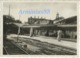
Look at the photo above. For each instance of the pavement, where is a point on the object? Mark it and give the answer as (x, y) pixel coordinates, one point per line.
(52, 40)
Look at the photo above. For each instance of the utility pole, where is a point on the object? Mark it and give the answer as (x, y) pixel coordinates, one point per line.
(9, 10)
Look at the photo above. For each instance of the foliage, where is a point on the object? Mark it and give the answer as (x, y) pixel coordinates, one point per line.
(9, 26)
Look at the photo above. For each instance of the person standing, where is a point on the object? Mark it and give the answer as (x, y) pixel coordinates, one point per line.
(59, 34)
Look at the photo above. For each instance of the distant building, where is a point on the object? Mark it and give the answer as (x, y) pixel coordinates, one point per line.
(39, 21)
(70, 20)
(57, 19)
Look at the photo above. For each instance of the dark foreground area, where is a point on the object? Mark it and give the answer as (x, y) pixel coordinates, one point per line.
(12, 49)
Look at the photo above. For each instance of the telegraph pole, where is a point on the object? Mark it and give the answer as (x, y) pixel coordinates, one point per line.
(9, 10)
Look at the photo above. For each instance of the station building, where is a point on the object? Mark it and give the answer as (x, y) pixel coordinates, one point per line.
(40, 21)
(45, 27)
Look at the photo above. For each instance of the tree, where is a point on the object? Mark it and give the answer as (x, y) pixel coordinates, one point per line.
(8, 19)
(9, 26)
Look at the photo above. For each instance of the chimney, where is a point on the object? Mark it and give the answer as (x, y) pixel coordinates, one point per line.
(38, 17)
(41, 17)
(34, 16)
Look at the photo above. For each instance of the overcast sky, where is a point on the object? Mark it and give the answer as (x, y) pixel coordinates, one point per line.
(64, 9)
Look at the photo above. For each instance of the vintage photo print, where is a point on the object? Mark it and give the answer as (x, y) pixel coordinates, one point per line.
(39, 28)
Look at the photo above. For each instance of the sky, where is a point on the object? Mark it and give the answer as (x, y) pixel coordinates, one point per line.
(65, 10)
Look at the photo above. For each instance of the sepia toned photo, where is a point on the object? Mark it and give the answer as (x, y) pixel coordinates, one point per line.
(39, 28)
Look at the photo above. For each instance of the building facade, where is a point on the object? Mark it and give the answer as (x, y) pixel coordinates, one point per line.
(46, 27)
(38, 20)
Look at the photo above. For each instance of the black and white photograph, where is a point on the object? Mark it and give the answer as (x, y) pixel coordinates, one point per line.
(39, 28)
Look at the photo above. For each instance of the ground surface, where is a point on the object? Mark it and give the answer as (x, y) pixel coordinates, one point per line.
(43, 45)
